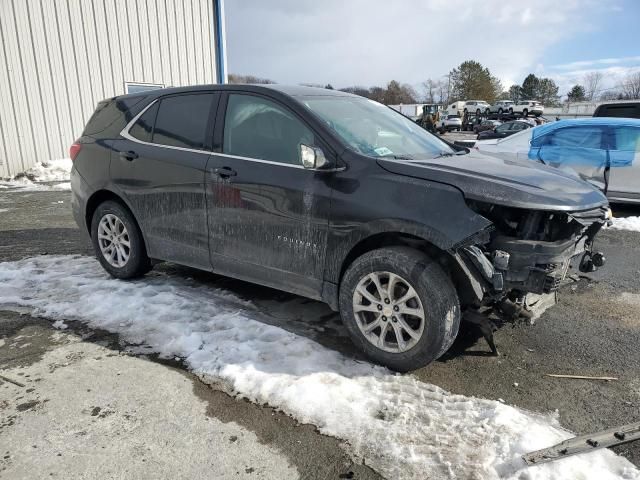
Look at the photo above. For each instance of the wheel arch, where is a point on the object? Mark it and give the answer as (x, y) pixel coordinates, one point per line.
(448, 260)
(101, 196)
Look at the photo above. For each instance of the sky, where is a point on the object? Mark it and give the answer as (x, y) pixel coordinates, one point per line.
(370, 42)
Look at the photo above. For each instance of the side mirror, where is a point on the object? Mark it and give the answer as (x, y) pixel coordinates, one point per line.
(312, 157)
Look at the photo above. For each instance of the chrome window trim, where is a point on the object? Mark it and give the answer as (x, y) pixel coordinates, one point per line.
(125, 134)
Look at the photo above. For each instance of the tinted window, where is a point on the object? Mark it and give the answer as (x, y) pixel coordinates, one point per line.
(626, 139)
(182, 121)
(504, 127)
(625, 111)
(143, 128)
(518, 126)
(255, 127)
(108, 111)
(583, 137)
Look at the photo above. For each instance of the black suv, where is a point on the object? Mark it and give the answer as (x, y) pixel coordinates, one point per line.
(330, 196)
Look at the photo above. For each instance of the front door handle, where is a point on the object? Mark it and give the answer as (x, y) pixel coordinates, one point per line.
(130, 155)
(225, 172)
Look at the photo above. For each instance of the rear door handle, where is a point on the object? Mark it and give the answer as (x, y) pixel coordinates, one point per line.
(130, 155)
(225, 172)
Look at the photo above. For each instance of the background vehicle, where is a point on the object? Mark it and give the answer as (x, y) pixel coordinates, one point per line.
(527, 107)
(618, 109)
(456, 108)
(330, 196)
(591, 147)
(504, 130)
(486, 125)
(469, 122)
(501, 106)
(449, 122)
(514, 147)
(475, 106)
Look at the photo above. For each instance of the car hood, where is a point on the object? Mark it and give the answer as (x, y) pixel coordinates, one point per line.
(512, 183)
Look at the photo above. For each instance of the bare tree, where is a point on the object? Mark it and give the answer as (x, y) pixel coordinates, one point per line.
(592, 81)
(630, 86)
(430, 89)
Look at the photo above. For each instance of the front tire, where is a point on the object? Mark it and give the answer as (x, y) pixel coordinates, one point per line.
(399, 307)
(117, 241)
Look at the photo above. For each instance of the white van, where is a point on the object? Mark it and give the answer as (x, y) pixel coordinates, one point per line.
(457, 108)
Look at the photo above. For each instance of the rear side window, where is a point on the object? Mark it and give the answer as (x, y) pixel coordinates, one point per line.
(143, 128)
(626, 139)
(255, 127)
(182, 121)
(109, 111)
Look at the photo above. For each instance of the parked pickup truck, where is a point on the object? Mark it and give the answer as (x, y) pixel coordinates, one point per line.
(330, 196)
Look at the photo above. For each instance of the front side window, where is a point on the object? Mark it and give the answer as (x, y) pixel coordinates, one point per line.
(504, 127)
(581, 137)
(255, 127)
(372, 129)
(182, 121)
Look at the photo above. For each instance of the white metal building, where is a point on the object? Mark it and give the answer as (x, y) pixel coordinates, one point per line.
(58, 58)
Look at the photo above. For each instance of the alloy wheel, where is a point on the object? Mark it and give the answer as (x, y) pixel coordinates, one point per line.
(113, 239)
(388, 312)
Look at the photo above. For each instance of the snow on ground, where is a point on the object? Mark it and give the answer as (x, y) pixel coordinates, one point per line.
(49, 175)
(626, 223)
(403, 428)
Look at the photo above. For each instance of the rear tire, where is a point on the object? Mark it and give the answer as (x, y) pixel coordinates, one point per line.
(433, 294)
(511, 111)
(525, 113)
(117, 241)
(500, 111)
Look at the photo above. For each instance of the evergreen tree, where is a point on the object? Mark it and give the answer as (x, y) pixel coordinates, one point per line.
(576, 94)
(472, 81)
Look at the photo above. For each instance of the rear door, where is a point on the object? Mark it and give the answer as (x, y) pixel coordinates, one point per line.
(159, 167)
(624, 154)
(268, 215)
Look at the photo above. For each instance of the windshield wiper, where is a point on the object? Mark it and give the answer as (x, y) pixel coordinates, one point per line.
(451, 154)
(398, 157)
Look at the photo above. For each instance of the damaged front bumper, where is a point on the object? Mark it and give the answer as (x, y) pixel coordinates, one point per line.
(530, 252)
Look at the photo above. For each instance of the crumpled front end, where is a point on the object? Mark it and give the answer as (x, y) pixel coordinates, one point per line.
(530, 251)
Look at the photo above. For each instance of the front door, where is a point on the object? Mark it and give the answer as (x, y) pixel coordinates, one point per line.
(578, 148)
(159, 167)
(268, 215)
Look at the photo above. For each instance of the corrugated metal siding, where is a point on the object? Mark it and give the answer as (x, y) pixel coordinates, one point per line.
(58, 58)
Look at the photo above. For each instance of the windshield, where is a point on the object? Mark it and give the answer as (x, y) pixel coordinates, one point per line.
(372, 129)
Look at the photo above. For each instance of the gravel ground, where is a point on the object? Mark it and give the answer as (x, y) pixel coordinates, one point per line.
(594, 330)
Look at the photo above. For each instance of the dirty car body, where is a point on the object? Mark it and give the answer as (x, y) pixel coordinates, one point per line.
(326, 217)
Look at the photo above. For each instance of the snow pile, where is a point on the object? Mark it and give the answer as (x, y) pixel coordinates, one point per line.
(626, 223)
(49, 175)
(403, 428)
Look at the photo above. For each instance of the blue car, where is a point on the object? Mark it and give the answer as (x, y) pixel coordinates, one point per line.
(588, 146)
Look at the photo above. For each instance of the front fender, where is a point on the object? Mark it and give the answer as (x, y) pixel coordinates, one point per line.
(434, 212)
